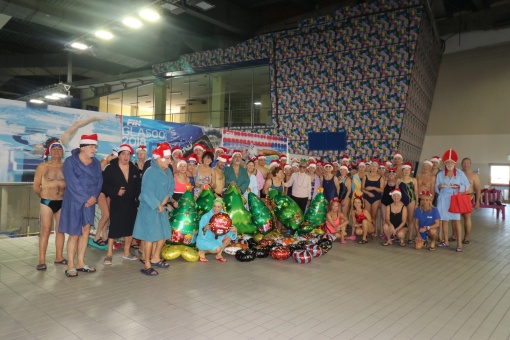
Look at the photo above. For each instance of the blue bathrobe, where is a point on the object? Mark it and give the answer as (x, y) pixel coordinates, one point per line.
(242, 181)
(152, 225)
(446, 193)
(209, 241)
(82, 182)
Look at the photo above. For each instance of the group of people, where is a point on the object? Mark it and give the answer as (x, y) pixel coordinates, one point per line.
(135, 197)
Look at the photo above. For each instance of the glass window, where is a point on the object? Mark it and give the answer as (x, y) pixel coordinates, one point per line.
(500, 174)
(129, 104)
(145, 99)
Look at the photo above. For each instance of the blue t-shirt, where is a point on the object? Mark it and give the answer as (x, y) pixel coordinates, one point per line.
(426, 218)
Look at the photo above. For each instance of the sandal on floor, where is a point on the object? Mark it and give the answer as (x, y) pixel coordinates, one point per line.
(410, 241)
(363, 242)
(64, 262)
(99, 242)
(221, 259)
(149, 272)
(444, 245)
(86, 269)
(71, 273)
(130, 257)
(432, 248)
(203, 259)
(459, 249)
(465, 241)
(160, 264)
(107, 261)
(41, 266)
(402, 244)
(135, 246)
(386, 244)
(452, 239)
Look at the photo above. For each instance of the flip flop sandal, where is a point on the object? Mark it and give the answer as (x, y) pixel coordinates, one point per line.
(149, 272)
(363, 242)
(410, 242)
(432, 248)
(107, 261)
(386, 244)
(444, 245)
(222, 260)
(135, 246)
(86, 269)
(99, 242)
(203, 259)
(160, 264)
(459, 249)
(452, 239)
(130, 257)
(465, 242)
(64, 262)
(402, 244)
(71, 273)
(41, 266)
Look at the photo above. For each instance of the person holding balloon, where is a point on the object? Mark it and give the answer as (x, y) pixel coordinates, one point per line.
(209, 242)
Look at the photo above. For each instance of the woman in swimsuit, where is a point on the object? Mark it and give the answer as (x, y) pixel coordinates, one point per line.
(181, 182)
(362, 221)
(386, 200)
(336, 221)
(409, 188)
(276, 181)
(373, 187)
(396, 218)
(204, 171)
(345, 189)
(315, 180)
(330, 183)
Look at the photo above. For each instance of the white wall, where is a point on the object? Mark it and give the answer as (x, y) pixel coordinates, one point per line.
(471, 108)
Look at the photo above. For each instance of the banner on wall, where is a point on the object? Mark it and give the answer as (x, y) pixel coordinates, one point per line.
(25, 130)
(252, 144)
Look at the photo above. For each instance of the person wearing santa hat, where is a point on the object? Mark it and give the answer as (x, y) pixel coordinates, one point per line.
(142, 163)
(475, 191)
(345, 189)
(315, 180)
(395, 224)
(83, 176)
(218, 176)
(181, 181)
(275, 181)
(260, 165)
(49, 185)
(425, 179)
(191, 172)
(283, 159)
(301, 187)
(122, 184)
(357, 179)
(151, 225)
(330, 183)
(409, 188)
(236, 174)
(397, 163)
(449, 182)
(199, 150)
(176, 155)
(336, 220)
(204, 172)
(373, 187)
(436, 161)
(218, 151)
(386, 200)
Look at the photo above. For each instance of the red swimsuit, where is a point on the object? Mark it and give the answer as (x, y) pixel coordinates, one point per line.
(361, 217)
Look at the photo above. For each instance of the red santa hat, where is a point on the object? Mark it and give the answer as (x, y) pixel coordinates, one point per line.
(223, 158)
(162, 150)
(311, 164)
(274, 163)
(126, 147)
(261, 156)
(181, 160)
(176, 149)
(436, 159)
(237, 152)
(141, 148)
(220, 148)
(388, 164)
(51, 146)
(283, 157)
(395, 191)
(199, 146)
(343, 167)
(88, 139)
(335, 163)
(328, 164)
(361, 163)
(192, 158)
(345, 159)
(427, 162)
(397, 155)
(407, 165)
(295, 164)
(287, 166)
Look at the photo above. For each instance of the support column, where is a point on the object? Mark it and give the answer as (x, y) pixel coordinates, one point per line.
(160, 99)
(218, 101)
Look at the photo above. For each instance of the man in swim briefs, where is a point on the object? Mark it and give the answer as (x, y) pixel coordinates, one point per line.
(49, 184)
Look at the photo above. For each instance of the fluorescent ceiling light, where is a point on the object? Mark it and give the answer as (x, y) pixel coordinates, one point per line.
(50, 97)
(115, 98)
(103, 35)
(59, 95)
(173, 9)
(257, 103)
(143, 95)
(203, 5)
(36, 101)
(176, 92)
(79, 46)
(132, 22)
(149, 15)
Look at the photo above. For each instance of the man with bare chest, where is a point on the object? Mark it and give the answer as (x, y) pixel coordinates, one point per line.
(426, 180)
(261, 166)
(49, 184)
(218, 177)
(475, 191)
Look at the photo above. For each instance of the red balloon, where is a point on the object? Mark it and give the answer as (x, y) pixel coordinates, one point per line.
(280, 253)
(220, 224)
(302, 256)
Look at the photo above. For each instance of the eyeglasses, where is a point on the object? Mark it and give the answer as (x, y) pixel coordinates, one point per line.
(192, 162)
(164, 159)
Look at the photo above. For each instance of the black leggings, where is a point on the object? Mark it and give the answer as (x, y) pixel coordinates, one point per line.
(301, 202)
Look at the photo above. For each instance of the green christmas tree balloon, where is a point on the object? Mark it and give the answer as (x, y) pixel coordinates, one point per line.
(315, 215)
(260, 214)
(286, 210)
(183, 221)
(241, 218)
(205, 201)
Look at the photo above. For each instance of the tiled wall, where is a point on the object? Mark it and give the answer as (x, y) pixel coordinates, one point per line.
(368, 69)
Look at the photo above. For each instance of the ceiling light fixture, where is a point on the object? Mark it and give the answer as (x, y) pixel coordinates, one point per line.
(79, 46)
(203, 5)
(143, 95)
(257, 103)
(59, 95)
(149, 15)
(37, 101)
(103, 35)
(132, 22)
(173, 9)
(51, 97)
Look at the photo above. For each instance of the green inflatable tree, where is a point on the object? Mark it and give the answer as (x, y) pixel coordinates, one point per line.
(205, 201)
(241, 218)
(260, 214)
(184, 222)
(315, 215)
(286, 210)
